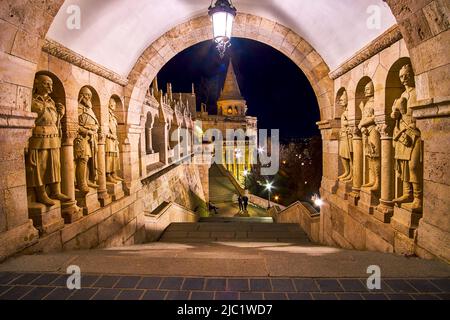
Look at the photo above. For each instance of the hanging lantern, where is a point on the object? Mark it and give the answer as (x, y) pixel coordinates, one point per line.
(222, 15)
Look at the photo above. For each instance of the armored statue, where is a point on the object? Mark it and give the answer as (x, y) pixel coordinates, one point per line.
(86, 143)
(372, 141)
(43, 159)
(407, 143)
(112, 146)
(345, 141)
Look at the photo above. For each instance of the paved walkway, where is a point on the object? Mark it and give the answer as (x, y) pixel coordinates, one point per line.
(223, 270)
(223, 195)
(37, 286)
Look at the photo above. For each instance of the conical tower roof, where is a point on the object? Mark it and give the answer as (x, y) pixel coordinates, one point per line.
(231, 89)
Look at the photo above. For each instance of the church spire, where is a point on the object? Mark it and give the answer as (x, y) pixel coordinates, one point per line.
(231, 89)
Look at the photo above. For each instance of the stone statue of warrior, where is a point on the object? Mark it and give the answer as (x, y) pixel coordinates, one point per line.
(43, 159)
(345, 141)
(112, 146)
(407, 143)
(372, 141)
(86, 143)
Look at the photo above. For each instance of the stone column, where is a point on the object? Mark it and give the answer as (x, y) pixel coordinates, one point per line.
(385, 209)
(102, 191)
(358, 164)
(69, 210)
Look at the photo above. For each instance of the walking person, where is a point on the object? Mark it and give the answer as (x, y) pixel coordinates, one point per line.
(245, 199)
(241, 205)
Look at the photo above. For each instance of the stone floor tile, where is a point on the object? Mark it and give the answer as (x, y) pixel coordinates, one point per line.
(399, 285)
(26, 278)
(7, 277)
(374, 296)
(299, 296)
(59, 294)
(443, 284)
(324, 296)
(329, 285)
(38, 293)
(399, 296)
(171, 283)
(106, 294)
(193, 284)
(16, 292)
(178, 295)
(353, 285)
(220, 295)
(154, 295)
(425, 296)
(106, 282)
(238, 285)
(275, 296)
(250, 296)
(202, 295)
(45, 279)
(130, 295)
(282, 285)
(149, 283)
(128, 282)
(423, 285)
(306, 285)
(216, 284)
(349, 296)
(83, 294)
(260, 285)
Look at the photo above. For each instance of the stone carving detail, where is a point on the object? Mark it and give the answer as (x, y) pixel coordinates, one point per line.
(407, 143)
(384, 41)
(112, 146)
(43, 159)
(385, 130)
(86, 143)
(61, 52)
(345, 141)
(371, 137)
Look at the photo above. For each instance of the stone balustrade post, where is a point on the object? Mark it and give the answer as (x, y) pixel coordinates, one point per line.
(102, 191)
(69, 210)
(385, 210)
(358, 163)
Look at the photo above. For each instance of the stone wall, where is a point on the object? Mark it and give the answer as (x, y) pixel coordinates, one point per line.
(126, 221)
(354, 218)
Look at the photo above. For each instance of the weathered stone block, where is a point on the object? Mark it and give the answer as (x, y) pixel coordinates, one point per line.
(115, 190)
(375, 243)
(355, 233)
(403, 245)
(405, 222)
(46, 219)
(89, 202)
(16, 239)
(86, 240)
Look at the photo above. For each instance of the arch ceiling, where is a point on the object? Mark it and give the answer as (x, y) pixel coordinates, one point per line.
(114, 33)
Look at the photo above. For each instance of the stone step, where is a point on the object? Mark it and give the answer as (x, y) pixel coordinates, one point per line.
(237, 219)
(239, 230)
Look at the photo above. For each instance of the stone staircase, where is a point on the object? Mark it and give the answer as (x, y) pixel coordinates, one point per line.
(234, 230)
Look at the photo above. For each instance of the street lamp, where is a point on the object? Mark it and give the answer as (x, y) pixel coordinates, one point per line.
(269, 187)
(222, 14)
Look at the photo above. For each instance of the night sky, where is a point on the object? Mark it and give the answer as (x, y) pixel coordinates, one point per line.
(276, 90)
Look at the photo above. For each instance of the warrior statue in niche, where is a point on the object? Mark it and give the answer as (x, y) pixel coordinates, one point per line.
(407, 143)
(112, 146)
(86, 143)
(372, 140)
(43, 159)
(345, 141)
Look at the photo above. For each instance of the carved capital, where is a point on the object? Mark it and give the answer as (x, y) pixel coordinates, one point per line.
(356, 132)
(69, 133)
(385, 130)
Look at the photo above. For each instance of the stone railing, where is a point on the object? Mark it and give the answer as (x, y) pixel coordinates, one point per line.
(303, 214)
(158, 221)
(263, 203)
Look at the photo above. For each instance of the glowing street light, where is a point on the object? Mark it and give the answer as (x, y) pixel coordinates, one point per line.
(222, 14)
(260, 150)
(269, 187)
(317, 201)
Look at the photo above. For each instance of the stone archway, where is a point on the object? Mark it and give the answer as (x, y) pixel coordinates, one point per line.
(246, 26)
